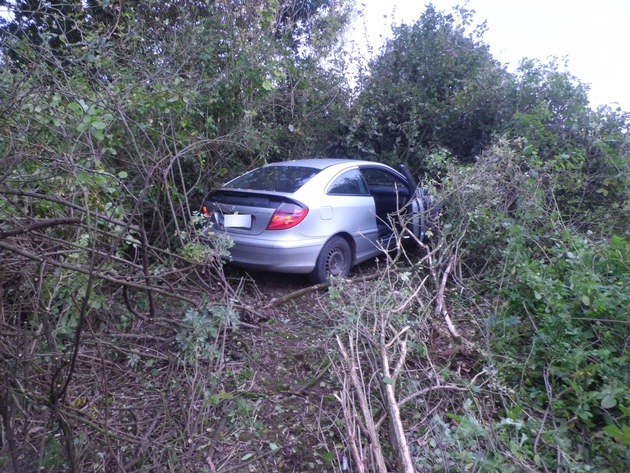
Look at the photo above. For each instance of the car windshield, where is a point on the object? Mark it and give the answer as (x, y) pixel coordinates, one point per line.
(274, 178)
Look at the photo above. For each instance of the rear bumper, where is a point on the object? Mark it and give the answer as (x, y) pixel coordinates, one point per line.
(285, 256)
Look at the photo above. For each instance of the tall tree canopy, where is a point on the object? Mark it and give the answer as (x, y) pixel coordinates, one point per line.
(433, 85)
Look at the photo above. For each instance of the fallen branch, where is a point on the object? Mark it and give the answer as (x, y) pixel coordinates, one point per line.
(441, 310)
(38, 224)
(440, 307)
(422, 392)
(306, 290)
(70, 205)
(391, 404)
(351, 370)
(103, 276)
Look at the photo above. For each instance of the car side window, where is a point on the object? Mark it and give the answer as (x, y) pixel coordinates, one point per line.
(377, 179)
(349, 183)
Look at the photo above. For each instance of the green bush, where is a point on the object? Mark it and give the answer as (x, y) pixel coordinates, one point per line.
(559, 329)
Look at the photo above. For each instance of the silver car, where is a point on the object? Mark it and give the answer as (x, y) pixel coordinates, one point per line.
(315, 216)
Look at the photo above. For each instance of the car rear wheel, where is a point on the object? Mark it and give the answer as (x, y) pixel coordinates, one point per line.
(334, 260)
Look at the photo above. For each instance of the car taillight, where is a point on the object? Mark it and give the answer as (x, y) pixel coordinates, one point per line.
(286, 216)
(204, 210)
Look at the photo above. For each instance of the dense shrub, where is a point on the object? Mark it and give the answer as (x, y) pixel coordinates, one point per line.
(558, 332)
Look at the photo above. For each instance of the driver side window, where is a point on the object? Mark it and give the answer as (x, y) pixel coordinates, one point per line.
(382, 180)
(349, 183)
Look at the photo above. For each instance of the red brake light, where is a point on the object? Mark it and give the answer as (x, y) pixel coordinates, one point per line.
(204, 210)
(286, 216)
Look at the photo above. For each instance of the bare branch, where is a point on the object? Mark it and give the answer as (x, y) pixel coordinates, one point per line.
(39, 224)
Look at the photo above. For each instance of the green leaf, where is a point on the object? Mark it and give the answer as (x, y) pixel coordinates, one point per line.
(329, 457)
(99, 125)
(388, 380)
(99, 179)
(247, 456)
(586, 300)
(618, 434)
(123, 174)
(83, 105)
(608, 402)
(74, 107)
(456, 417)
(84, 178)
(274, 446)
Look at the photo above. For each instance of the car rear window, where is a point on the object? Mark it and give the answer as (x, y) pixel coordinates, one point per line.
(274, 178)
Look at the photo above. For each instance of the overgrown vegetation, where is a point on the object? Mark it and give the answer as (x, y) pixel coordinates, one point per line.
(555, 308)
(502, 343)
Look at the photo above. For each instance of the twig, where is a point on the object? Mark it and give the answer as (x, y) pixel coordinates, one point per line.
(68, 204)
(108, 432)
(392, 405)
(350, 421)
(145, 269)
(6, 415)
(294, 295)
(375, 444)
(420, 393)
(104, 276)
(134, 312)
(440, 308)
(38, 224)
(242, 466)
(316, 287)
(405, 304)
(544, 419)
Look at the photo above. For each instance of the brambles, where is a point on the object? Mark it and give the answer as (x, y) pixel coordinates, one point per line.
(558, 328)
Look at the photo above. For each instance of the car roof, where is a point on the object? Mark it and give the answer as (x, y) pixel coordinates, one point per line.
(321, 163)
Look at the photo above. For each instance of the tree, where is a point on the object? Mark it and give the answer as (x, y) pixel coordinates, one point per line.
(433, 86)
(584, 152)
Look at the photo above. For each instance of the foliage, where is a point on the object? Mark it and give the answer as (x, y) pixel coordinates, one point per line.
(584, 152)
(115, 118)
(559, 328)
(200, 338)
(433, 85)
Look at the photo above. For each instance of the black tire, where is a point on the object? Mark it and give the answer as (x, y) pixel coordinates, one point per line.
(335, 260)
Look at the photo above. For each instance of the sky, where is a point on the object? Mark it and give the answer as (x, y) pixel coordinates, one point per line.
(593, 35)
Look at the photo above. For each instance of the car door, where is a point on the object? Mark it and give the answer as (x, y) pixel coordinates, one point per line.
(421, 205)
(353, 207)
(397, 204)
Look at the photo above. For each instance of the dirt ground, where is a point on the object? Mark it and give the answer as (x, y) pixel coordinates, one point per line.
(143, 398)
(289, 352)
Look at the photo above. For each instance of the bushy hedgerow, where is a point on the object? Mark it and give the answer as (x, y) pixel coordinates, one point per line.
(559, 329)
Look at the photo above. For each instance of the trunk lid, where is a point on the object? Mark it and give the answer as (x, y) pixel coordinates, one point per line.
(242, 212)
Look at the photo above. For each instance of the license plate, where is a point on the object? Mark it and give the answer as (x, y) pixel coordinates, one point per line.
(237, 221)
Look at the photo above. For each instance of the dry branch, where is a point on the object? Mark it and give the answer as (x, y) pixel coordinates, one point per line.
(441, 310)
(70, 205)
(39, 224)
(351, 370)
(98, 275)
(314, 288)
(440, 307)
(402, 446)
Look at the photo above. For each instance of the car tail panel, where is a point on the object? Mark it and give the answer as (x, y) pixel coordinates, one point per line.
(251, 212)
